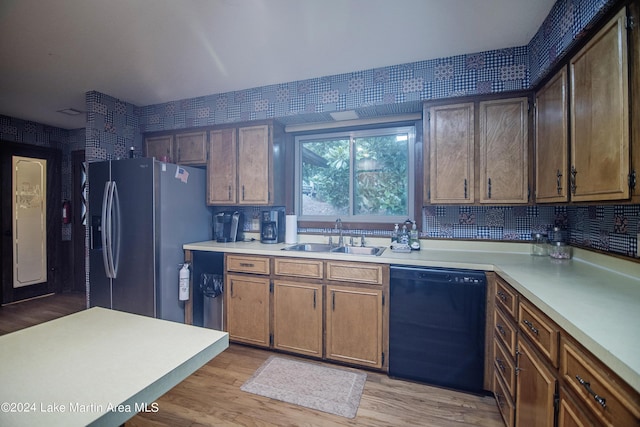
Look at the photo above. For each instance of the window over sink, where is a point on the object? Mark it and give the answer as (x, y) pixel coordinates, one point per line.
(357, 175)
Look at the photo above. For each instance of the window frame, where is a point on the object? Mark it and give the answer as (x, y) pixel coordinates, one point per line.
(351, 134)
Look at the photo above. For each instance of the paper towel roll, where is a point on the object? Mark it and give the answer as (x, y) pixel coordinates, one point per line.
(291, 229)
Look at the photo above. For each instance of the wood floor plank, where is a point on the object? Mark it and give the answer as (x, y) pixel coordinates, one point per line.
(212, 395)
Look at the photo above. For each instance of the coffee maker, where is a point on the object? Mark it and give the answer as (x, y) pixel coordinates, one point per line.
(228, 226)
(272, 226)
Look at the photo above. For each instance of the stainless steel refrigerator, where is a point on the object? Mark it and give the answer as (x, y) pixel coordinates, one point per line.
(141, 212)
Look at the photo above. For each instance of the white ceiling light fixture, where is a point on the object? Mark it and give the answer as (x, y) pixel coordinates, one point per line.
(344, 115)
(70, 112)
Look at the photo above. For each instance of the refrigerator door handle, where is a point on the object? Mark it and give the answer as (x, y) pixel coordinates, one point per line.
(108, 230)
(115, 230)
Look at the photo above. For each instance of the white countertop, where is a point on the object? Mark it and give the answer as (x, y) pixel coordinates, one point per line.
(97, 367)
(594, 297)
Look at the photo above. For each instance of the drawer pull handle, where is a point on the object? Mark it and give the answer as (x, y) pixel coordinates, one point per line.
(502, 296)
(501, 329)
(530, 326)
(587, 385)
(246, 264)
(500, 364)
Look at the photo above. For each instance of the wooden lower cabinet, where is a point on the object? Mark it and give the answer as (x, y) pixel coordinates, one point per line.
(570, 414)
(536, 388)
(247, 309)
(503, 399)
(297, 317)
(354, 325)
(604, 397)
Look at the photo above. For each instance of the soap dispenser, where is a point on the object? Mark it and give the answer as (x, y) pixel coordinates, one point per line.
(395, 236)
(414, 242)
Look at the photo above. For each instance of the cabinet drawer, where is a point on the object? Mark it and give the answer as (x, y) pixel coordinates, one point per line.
(312, 269)
(248, 264)
(506, 298)
(541, 330)
(505, 366)
(370, 274)
(506, 332)
(608, 398)
(505, 404)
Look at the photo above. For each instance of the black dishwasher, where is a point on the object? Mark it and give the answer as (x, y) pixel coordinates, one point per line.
(437, 326)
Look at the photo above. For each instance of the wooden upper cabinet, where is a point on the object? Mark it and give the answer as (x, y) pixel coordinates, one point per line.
(504, 151)
(191, 148)
(159, 147)
(451, 154)
(552, 141)
(255, 180)
(221, 167)
(600, 116)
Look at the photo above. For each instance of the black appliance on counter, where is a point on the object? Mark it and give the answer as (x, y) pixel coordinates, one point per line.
(228, 226)
(437, 326)
(272, 226)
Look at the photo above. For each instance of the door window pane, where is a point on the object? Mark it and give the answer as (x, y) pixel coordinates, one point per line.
(29, 221)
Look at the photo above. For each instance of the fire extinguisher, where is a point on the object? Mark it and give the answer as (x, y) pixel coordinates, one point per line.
(66, 212)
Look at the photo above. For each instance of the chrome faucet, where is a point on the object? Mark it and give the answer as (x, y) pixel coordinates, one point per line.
(339, 231)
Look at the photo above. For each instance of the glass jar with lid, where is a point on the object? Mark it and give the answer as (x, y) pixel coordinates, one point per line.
(560, 250)
(540, 244)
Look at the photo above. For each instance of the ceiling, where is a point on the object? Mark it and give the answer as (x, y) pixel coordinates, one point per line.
(153, 51)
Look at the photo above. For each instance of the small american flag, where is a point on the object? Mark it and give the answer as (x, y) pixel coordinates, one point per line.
(182, 174)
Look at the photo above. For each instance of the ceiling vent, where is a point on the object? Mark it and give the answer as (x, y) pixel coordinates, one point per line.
(344, 115)
(70, 112)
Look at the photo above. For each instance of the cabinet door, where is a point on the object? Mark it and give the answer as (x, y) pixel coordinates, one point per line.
(552, 141)
(504, 151)
(570, 414)
(191, 148)
(254, 178)
(297, 317)
(221, 167)
(247, 307)
(536, 388)
(451, 154)
(354, 325)
(159, 147)
(600, 116)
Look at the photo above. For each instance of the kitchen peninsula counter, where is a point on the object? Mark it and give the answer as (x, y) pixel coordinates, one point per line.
(97, 367)
(594, 297)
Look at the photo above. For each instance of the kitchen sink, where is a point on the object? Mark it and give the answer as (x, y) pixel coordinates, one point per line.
(324, 247)
(309, 247)
(359, 250)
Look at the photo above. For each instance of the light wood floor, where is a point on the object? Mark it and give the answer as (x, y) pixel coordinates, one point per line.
(212, 395)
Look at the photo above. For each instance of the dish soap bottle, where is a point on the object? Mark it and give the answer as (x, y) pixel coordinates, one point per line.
(404, 236)
(414, 242)
(394, 236)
